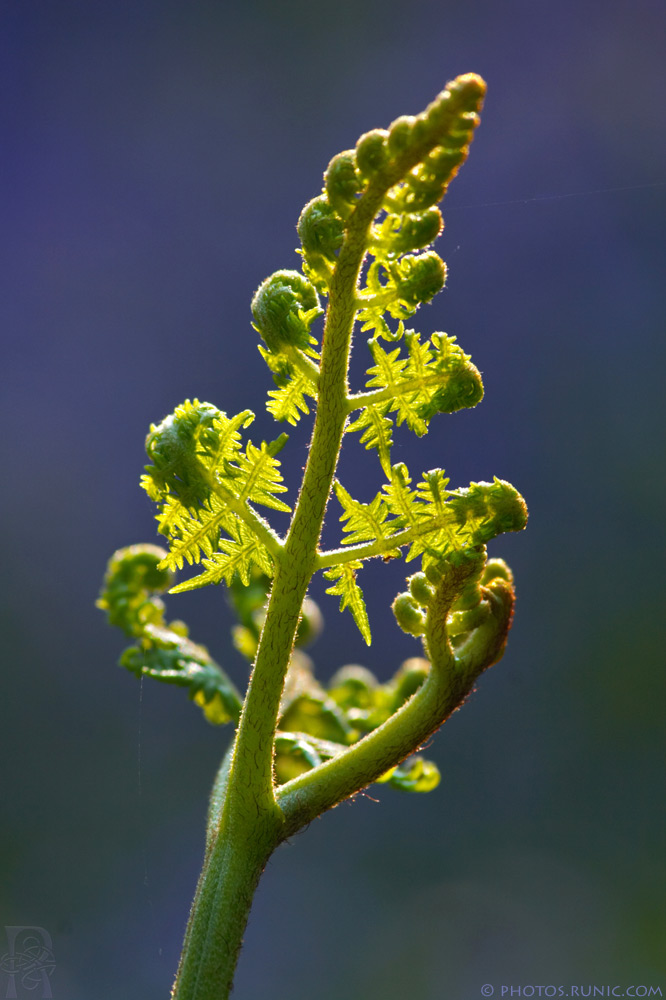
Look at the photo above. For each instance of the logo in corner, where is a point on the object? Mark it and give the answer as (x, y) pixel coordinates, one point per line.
(28, 963)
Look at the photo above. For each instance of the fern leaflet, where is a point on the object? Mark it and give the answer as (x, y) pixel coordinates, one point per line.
(377, 431)
(236, 556)
(351, 595)
(365, 522)
(288, 402)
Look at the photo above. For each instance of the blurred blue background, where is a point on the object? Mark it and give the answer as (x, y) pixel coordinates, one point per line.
(156, 156)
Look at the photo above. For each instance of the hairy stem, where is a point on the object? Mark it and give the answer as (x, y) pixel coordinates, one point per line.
(259, 526)
(448, 684)
(304, 364)
(251, 823)
(244, 839)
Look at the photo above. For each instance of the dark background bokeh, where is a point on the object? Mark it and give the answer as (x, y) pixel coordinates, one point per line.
(155, 157)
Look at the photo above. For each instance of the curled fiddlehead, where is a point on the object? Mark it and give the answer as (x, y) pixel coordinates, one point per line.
(135, 576)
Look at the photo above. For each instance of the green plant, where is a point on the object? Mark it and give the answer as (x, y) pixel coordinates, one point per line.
(300, 748)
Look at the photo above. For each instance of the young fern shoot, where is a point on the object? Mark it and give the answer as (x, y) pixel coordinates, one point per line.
(299, 747)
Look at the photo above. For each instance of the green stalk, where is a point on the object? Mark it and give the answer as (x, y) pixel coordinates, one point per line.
(448, 684)
(233, 866)
(251, 823)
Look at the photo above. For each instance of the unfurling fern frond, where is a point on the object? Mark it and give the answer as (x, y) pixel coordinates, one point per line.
(435, 376)
(321, 232)
(284, 308)
(478, 618)
(436, 523)
(468, 518)
(134, 577)
(187, 447)
(399, 287)
(399, 234)
(204, 483)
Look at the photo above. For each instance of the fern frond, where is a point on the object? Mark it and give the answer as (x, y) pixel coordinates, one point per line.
(436, 376)
(379, 199)
(351, 595)
(487, 509)
(435, 522)
(400, 286)
(171, 658)
(398, 234)
(467, 519)
(284, 308)
(204, 483)
(187, 447)
(133, 579)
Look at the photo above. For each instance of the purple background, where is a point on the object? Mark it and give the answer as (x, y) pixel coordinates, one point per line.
(155, 159)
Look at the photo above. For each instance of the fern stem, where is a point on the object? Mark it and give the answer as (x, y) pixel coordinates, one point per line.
(391, 392)
(299, 555)
(259, 526)
(305, 797)
(336, 557)
(251, 823)
(237, 855)
(448, 683)
(305, 365)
